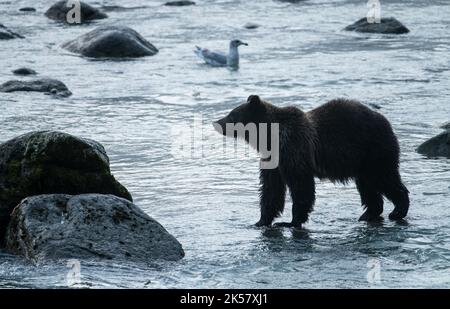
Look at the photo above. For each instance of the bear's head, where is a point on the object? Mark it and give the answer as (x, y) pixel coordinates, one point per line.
(252, 122)
(253, 112)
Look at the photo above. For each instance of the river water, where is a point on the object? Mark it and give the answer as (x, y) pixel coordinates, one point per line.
(208, 200)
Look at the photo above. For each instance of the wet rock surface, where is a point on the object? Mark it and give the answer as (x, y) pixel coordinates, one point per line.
(24, 71)
(88, 226)
(111, 42)
(385, 26)
(46, 85)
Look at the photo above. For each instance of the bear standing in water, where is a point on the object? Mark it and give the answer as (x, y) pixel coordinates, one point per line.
(340, 141)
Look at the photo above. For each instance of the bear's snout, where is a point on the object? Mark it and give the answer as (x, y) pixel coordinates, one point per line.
(219, 126)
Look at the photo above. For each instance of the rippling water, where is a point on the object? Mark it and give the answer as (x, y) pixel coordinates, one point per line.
(298, 56)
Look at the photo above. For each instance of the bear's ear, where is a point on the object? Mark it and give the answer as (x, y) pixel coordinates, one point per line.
(253, 99)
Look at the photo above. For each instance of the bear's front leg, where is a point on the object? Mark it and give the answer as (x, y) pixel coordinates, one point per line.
(302, 188)
(273, 194)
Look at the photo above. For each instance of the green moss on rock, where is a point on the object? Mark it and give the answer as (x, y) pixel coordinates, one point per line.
(48, 162)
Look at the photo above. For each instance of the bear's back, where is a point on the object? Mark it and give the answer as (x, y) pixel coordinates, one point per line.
(350, 137)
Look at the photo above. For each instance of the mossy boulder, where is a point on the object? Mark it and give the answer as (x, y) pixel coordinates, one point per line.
(52, 162)
(88, 226)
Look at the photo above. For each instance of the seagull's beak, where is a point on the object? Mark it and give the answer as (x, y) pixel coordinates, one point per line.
(242, 43)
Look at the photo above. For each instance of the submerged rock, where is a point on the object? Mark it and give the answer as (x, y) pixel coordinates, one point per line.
(292, 1)
(24, 71)
(251, 25)
(438, 146)
(118, 8)
(88, 226)
(179, 3)
(27, 9)
(46, 85)
(60, 9)
(52, 162)
(385, 26)
(111, 42)
(7, 34)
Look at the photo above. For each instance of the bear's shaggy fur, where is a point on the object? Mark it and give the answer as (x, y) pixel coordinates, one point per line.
(341, 140)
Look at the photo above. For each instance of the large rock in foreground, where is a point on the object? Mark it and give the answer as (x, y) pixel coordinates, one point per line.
(385, 26)
(6, 34)
(438, 146)
(111, 42)
(46, 85)
(52, 162)
(60, 9)
(89, 226)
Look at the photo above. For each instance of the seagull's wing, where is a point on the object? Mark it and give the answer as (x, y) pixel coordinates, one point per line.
(211, 57)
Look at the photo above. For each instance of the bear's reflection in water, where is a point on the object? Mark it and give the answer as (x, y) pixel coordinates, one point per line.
(371, 238)
(278, 239)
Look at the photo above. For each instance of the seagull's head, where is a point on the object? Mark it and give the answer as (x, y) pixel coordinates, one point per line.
(237, 43)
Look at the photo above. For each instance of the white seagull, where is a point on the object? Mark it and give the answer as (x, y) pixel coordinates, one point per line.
(220, 59)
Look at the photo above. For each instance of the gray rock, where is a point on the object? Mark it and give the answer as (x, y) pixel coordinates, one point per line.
(438, 146)
(59, 10)
(88, 226)
(46, 85)
(27, 9)
(24, 71)
(6, 34)
(386, 26)
(52, 162)
(111, 42)
(179, 3)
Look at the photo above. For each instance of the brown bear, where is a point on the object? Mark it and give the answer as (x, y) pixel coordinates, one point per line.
(341, 140)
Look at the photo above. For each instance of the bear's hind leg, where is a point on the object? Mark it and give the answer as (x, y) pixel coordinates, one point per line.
(273, 194)
(398, 194)
(371, 199)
